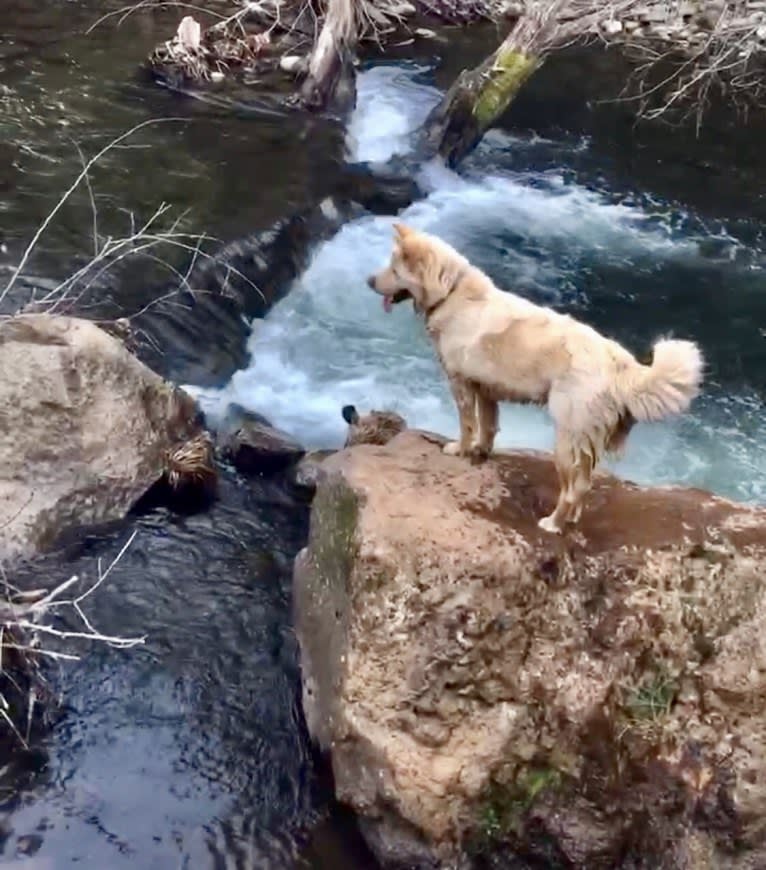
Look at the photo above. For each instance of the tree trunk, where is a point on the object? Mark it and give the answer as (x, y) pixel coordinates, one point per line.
(331, 82)
(481, 95)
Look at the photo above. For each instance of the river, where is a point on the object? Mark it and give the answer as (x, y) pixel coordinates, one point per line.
(192, 752)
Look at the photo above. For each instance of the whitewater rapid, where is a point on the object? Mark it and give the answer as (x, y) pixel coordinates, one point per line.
(328, 342)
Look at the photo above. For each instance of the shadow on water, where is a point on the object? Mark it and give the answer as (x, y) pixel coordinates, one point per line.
(191, 751)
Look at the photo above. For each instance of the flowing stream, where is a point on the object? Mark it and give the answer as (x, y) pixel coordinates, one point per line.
(191, 752)
(539, 217)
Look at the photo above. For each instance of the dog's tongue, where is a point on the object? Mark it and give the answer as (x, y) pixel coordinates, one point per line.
(387, 304)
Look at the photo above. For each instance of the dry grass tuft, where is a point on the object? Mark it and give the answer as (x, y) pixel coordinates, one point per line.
(377, 427)
(192, 465)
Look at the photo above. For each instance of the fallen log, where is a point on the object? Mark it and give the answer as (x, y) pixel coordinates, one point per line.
(481, 95)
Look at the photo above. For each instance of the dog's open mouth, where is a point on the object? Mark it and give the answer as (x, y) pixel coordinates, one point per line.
(390, 301)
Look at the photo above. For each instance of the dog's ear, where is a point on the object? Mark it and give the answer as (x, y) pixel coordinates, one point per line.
(402, 231)
(350, 415)
(439, 277)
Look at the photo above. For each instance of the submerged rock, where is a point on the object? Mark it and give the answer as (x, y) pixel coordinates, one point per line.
(254, 446)
(85, 429)
(484, 688)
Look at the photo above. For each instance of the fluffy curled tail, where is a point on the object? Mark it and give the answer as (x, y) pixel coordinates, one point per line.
(669, 384)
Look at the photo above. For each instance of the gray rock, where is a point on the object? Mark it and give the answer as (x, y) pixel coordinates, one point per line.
(293, 64)
(85, 429)
(254, 446)
(611, 27)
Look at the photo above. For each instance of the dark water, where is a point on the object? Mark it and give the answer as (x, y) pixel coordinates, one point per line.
(191, 751)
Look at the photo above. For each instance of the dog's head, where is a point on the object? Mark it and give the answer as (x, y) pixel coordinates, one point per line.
(422, 268)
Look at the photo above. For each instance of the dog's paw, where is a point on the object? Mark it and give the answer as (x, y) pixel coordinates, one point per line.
(479, 454)
(547, 524)
(451, 448)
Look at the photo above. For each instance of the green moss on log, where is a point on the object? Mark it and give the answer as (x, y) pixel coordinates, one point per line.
(503, 81)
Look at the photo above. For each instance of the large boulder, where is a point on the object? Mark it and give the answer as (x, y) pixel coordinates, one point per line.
(482, 688)
(85, 429)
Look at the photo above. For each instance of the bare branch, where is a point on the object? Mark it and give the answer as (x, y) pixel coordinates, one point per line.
(93, 160)
(22, 629)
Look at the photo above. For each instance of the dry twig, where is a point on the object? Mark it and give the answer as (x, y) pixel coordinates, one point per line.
(25, 620)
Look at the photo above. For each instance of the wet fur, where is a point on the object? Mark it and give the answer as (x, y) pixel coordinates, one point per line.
(496, 346)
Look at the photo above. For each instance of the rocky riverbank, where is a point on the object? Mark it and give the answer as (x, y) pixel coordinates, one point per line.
(482, 689)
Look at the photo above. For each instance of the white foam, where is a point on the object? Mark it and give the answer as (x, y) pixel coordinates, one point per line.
(390, 107)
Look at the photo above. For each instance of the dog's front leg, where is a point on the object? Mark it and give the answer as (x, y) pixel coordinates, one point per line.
(466, 401)
(487, 415)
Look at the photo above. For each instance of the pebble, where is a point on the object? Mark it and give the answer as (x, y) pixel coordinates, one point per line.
(761, 34)
(425, 33)
(216, 76)
(290, 63)
(611, 27)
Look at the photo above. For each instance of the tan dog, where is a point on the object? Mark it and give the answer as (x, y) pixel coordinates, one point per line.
(495, 346)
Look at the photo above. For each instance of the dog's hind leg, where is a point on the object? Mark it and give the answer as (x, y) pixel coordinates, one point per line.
(581, 484)
(564, 458)
(466, 400)
(487, 414)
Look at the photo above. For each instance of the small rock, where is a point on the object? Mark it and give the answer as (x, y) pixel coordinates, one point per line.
(425, 33)
(611, 27)
(254, 446)
(631, 26)
(216, 76)
(291, 63)
(761, 34)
